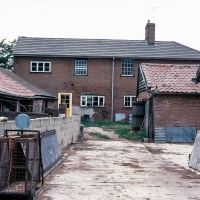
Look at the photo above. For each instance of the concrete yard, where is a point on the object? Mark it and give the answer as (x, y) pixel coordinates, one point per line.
(120, 169)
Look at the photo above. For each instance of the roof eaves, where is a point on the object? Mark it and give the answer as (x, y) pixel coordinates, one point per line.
(173, 93)
(111, 56)
(44, 97)
(4, 94)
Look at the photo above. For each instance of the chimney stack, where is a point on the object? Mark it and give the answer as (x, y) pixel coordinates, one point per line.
(150, 32)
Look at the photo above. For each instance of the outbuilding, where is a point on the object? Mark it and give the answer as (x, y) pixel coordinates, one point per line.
(18, 95)
(172, 101)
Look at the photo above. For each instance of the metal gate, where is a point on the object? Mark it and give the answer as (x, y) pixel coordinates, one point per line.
(20, 163)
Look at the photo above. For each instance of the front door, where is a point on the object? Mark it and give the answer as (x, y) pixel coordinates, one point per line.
(65, 99)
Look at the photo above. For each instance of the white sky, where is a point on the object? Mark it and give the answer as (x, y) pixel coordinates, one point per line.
(176, 20)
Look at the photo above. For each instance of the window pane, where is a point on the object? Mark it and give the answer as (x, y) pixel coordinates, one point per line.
(95, 101)
(40, 67)
(100, 101)
(46, 67)
(83, 101)
(89, 101)
(34, 69)
(63, 99)
(33, 66)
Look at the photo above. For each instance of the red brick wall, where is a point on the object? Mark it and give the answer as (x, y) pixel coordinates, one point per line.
(98, 81)
(176, 110)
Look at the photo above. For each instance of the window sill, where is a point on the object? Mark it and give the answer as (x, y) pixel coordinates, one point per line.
(127, 75)
(80, 75)
(41, 72)
(92, 106)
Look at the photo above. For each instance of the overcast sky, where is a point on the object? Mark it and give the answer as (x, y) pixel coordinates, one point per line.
(176, 20)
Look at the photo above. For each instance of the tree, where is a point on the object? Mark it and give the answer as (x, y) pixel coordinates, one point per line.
(6, 56)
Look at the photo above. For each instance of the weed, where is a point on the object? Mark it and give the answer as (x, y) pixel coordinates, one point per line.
(99, 135)
(123, 129)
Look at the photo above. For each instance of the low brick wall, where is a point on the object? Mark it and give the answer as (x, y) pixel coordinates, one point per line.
(67, 128)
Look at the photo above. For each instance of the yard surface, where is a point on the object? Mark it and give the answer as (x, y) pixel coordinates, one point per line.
(115, 168)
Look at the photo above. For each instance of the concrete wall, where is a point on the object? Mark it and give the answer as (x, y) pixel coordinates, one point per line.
(67, 128)
(195, 155)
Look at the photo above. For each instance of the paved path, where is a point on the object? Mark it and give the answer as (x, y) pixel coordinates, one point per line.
(112, 170)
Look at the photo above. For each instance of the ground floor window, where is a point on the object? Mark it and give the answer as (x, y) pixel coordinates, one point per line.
(92, 101)
(128, 100)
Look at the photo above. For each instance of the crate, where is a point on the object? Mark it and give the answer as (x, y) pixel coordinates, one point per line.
(20, 164)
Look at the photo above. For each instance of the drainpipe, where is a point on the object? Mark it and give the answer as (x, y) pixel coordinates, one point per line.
(112, 98)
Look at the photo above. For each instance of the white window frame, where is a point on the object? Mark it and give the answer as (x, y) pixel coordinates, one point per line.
(126, 66)
(81, 67)
(92, 101)
(130, 101)
(37, 66)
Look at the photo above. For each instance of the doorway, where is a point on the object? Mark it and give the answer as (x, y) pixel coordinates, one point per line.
(65, 99)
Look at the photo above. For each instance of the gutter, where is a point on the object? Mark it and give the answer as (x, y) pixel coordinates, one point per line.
(112, 88)
(135, 57)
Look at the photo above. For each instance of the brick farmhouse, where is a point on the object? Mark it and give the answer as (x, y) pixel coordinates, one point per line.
(95, 78)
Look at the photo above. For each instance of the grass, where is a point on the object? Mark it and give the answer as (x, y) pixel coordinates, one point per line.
(123, 129)
(99, 135)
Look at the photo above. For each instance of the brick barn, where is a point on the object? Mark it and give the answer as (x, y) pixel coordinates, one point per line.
(95, 78)
(172, 96)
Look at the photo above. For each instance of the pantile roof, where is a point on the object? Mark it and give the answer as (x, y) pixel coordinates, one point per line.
(103, 48)
(170, 78)
(13, 85)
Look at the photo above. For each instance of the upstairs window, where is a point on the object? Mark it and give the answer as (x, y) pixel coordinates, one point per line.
(128, 100)
(80, 67)
(127, 67)
(40, 66)
(92, 101)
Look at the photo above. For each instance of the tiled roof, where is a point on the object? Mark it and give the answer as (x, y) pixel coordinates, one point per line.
(13, 85)
(170, 78)
(103, 48)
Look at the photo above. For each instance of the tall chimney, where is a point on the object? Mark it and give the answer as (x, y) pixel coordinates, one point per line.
(150, 32)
